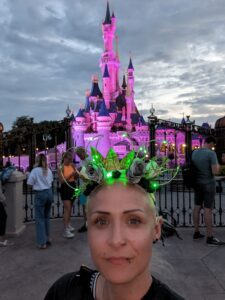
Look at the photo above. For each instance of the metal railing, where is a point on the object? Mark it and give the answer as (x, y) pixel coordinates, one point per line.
(174, 199)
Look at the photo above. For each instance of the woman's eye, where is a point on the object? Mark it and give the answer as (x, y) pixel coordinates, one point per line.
(134, 221)
(101, 221)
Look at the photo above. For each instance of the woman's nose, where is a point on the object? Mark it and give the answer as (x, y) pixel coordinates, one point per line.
(117, 237)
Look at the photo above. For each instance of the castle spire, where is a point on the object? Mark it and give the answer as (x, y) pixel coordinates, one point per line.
(106, 72)
(124, 85)
(130, 66)
(107, 16)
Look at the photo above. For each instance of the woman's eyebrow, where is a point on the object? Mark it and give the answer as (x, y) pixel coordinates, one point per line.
(124, 212)
(101, 212)
(133, 210)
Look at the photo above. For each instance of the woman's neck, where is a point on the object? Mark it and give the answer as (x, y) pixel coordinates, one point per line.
(134, 290)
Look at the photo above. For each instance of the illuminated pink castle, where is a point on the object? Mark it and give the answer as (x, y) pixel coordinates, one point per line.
(110, 117)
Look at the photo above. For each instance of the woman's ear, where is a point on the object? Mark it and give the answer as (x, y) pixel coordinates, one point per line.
(157, 229)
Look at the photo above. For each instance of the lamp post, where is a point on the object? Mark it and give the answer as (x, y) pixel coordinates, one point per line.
(67, 121)
(165, 142)
(32, 143)
(188, 138)
(152, 121)
(1, 145)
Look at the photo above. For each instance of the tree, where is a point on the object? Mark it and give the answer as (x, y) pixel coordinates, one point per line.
(23, 121)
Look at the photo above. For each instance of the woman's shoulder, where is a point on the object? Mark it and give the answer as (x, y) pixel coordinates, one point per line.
(159, 290)
(73, 285)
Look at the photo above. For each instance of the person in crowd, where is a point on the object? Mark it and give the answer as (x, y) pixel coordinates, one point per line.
(223, 158)
(3, 219)
(41, 179)
(206, 167)
(122, 227)
(67, 174)
(82, 155)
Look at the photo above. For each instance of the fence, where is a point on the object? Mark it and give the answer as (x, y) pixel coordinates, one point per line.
(174, 199)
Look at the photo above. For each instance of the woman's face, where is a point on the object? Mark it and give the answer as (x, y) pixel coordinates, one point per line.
(67, 159)
(121, 229)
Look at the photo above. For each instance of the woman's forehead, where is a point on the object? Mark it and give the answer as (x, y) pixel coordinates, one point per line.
(119, 196)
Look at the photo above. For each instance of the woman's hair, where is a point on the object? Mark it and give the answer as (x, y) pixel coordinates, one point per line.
(66, 154)
(41, 161)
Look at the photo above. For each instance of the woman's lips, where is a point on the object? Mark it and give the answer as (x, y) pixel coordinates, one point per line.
(118, 261)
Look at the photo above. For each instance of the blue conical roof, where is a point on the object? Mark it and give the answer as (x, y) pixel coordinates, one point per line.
(124, 84)
(205, 125)
(95, 90)
(80, 113)
(107, 16)
(103, 112)
(106, 72)
(130, 64)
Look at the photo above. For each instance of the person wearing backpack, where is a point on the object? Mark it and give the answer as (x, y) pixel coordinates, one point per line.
(206, 167)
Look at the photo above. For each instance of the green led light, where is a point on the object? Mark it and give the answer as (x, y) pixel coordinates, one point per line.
(109, 175)
(154, 185)
(164, 142)
(77, 192)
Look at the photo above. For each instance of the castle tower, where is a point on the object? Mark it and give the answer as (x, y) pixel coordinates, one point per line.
(79, 127)
(108, 56)
(103, 128)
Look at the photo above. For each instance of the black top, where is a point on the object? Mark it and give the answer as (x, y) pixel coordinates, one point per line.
(76, 285)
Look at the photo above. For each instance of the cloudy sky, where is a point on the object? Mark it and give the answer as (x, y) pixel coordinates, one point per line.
(49, 50)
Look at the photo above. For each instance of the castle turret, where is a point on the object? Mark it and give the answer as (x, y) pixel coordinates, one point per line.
(79, 127)
(95, 94)
(130, 75)
(103, 128)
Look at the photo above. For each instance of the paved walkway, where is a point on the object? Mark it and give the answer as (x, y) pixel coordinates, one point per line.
(195, 270)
